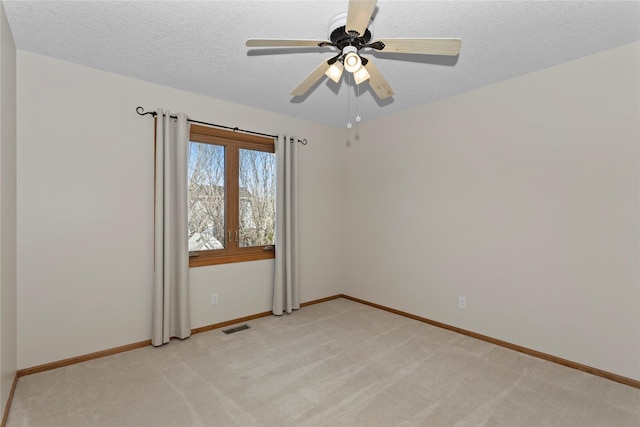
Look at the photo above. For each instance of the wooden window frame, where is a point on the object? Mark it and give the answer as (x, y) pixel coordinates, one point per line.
(232, 142)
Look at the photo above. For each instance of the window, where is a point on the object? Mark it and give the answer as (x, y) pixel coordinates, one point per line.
(232, 193)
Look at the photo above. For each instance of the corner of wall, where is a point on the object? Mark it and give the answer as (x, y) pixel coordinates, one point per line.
(8, 265)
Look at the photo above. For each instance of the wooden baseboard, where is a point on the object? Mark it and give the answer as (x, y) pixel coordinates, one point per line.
(575, 365)
(255, 316)
(83, 358)
(109, 352)
(318, 301)
(229, 322)
(594, 371)
(5, 416)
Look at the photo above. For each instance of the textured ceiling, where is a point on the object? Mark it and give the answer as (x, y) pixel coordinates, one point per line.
(198, 46)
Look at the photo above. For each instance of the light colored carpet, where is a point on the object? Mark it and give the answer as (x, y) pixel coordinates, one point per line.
(338, 363)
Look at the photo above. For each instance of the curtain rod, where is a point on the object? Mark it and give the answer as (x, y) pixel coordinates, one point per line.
(141, 112)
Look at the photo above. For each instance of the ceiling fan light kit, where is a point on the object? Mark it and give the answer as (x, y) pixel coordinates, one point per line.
(350, 32)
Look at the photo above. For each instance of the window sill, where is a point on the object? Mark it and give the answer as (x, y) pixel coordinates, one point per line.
(205, 258)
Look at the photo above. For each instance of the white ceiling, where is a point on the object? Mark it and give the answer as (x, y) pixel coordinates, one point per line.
(198, 46)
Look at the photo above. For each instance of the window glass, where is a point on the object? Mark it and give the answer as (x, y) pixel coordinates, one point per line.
(257, 197)
(206, 197)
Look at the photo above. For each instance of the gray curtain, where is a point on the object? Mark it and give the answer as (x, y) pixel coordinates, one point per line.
(286, 286)
(171, 317)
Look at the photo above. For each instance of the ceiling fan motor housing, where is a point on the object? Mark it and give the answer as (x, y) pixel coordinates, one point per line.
(339, 36)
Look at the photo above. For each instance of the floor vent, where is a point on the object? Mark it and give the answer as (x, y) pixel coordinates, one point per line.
(235, 329)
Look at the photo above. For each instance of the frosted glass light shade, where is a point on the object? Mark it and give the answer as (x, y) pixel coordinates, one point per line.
(335, 71)
(362, 75)
(352, 62)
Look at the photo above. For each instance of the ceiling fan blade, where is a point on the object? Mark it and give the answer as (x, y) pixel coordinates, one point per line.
(379, 85)
(448, 47)
(311, 79)
(359, 15)
(285, 43)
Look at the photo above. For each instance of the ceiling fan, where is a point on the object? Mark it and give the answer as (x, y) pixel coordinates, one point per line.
(349, 33)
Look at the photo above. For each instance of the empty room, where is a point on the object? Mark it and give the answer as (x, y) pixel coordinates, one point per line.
(341, 213)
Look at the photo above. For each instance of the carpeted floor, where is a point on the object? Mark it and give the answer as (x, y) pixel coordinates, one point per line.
(338, 363)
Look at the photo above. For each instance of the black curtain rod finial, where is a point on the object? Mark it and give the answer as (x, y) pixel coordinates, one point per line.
(141, 111)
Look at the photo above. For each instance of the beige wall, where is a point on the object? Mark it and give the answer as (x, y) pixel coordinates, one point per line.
(85, 206)
(522, 197)
(8, 280)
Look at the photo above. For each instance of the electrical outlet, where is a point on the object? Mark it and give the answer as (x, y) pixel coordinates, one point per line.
(462, 302)
(214, 298)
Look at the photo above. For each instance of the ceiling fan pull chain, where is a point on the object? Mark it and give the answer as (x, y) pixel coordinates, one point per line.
(349, 103)
(358, 118)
